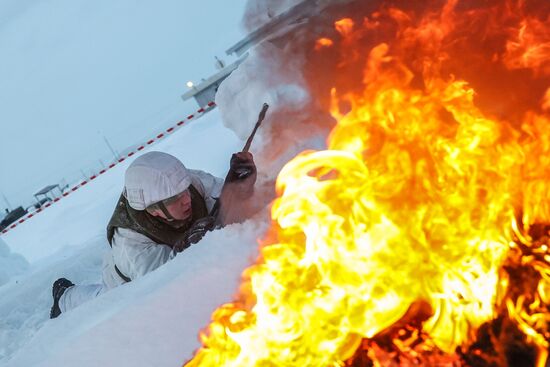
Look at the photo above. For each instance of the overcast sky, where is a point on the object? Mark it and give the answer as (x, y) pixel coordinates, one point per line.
(74, 73)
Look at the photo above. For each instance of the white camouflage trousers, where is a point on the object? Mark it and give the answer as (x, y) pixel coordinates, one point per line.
(78, 294)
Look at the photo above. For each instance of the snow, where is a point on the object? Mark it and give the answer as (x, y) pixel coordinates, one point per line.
(11, 264)
(154, 320)
(202, 144)
(276, 81)
(272, 75)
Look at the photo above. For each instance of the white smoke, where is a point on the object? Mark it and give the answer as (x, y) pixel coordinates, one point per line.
(273, 73)
(270, 76)
(258, 13)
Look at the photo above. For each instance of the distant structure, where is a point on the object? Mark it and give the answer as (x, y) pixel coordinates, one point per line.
(205, 91)
(46, 194)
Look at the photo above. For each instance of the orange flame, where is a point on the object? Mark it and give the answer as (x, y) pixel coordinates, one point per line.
(546, 101)
(421, 196)
(323, 42)
(530, 47)
(344, 26)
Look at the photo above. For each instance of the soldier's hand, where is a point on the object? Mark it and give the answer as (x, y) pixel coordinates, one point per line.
(242, 170)
(238, 188)
(196, 232)
(181, 245)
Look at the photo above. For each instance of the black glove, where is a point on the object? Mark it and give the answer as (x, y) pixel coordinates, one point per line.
(196, 232)
(242, 169)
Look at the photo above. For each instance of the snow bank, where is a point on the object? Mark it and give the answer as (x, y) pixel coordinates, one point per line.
(68, 240)
(155, 320)
(25, 303)
(267, 75)
(11, 264)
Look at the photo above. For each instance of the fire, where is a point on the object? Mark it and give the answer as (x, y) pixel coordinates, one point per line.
(322, 43)
(344, 26)
(420, 225)
(546, 101)
(530, 47)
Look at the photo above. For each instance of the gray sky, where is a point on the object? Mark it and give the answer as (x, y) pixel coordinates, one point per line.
(74, 72)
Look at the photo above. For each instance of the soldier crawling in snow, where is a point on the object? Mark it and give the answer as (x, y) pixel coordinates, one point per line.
(161, 202)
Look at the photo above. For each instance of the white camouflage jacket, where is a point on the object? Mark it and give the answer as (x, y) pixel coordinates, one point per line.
(135, 254)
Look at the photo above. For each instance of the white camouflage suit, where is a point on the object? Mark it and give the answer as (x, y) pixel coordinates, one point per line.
(152, 177)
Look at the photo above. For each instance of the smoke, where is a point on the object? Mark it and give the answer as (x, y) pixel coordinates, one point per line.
(296, 73)
(258, 13)
(286, 72)
(270, 76)
(273, 73)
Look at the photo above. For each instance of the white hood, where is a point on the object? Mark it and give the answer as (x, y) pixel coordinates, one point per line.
(153, 177)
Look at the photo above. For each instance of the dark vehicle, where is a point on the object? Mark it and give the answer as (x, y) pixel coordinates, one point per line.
(11, 217)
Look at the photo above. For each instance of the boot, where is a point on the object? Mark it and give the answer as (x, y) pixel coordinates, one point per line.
(58, 288)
